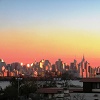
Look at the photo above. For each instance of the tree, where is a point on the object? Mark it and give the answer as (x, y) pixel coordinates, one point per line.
(10, 92)
(65, 75)
(14, 81)
(79, 97)
(27, 88)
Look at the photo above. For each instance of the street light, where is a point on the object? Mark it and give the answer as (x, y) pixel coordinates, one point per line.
(18, 84)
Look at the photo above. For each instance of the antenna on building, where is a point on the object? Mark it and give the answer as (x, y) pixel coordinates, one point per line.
(83, 59)
(75, 59)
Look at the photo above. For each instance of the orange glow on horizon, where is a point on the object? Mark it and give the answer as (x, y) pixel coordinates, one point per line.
(28, 47)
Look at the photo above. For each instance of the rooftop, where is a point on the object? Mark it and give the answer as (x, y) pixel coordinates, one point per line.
(56, 90)
(96, 79)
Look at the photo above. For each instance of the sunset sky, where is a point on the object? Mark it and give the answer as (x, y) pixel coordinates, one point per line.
(50, 29)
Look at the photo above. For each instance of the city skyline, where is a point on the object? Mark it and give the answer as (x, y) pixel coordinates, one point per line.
(50, 29)
(52, 62)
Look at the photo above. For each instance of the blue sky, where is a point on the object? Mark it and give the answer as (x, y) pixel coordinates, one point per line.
(31, 10)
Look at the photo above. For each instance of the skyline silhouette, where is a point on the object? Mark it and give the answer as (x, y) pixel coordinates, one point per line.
(52, 61)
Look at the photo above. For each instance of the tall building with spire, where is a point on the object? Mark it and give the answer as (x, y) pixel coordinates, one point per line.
(84, 68)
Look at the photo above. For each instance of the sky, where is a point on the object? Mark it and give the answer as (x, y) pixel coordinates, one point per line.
(50, 29)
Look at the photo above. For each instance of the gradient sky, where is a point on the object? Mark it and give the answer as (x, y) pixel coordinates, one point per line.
(35, 29)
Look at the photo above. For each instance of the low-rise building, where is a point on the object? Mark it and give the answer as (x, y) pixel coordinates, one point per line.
(54, 93)
(91, 84)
